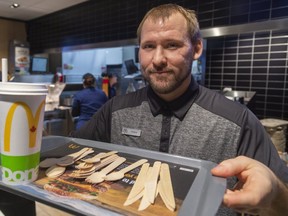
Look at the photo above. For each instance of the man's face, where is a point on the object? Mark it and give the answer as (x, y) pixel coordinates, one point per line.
(166, 55)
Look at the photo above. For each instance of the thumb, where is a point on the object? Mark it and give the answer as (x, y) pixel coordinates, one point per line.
(221, 171)
(230, 167)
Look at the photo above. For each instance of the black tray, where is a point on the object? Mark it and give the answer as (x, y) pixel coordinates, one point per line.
(192, 181)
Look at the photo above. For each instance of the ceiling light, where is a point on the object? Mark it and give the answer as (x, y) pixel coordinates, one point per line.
(14, 5)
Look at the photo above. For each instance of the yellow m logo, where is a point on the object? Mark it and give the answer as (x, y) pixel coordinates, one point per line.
(32, 122)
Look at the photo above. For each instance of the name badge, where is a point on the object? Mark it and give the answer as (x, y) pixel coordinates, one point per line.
(131, 131)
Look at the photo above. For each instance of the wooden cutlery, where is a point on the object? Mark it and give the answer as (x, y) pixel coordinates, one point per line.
(165, 188)
(147, 186)
(84, 173)
(138, 187)
(98, 157)
(55, 171)
(66, 160)
(72, 158)
(99, 176)
(150, 181)
(120, 174)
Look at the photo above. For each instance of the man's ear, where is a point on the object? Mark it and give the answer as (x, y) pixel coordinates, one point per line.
(198, 48)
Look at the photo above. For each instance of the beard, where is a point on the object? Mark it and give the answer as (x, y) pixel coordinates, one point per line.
(167, 82)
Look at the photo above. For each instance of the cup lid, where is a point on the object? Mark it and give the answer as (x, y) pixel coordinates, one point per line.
(13, 88)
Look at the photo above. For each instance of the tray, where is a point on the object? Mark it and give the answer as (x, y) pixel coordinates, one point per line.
(196, 191)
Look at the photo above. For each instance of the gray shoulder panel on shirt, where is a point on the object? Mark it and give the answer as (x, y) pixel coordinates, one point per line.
(220, 105)
(129, 100)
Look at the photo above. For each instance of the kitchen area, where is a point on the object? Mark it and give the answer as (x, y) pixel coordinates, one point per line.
(67, 80)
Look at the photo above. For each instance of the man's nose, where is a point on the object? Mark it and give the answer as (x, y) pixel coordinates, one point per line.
(159, 58)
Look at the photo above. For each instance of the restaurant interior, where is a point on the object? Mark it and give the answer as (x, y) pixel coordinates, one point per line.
(245, 53)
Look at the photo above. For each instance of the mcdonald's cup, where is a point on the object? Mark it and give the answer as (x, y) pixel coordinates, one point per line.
(22, 108)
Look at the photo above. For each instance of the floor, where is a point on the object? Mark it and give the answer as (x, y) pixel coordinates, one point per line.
(44, 210)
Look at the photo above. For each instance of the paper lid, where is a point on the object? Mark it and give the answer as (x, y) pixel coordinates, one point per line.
(273, 122)
(13, 88)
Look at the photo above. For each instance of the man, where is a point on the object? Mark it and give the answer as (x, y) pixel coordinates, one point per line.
(173, 113)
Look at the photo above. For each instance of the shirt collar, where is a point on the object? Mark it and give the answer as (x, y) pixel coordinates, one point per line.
(177, 107)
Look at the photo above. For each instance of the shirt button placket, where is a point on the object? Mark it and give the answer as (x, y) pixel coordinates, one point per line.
(165, 134)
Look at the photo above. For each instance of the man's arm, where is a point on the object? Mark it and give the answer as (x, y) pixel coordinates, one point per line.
(279, 205)
(258, 191)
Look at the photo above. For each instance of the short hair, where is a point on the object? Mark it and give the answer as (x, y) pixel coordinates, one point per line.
(88, 79)
(165, 11)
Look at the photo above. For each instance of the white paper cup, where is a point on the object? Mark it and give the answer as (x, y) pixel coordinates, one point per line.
(22, 108)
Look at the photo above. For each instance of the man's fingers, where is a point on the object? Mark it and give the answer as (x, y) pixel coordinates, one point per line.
(226, 169)
(241, 202)
(238, 199)
(233, 167)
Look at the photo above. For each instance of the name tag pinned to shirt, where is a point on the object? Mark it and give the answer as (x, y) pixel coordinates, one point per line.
(131, 131)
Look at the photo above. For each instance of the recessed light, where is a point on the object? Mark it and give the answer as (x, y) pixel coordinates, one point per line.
(14, 5)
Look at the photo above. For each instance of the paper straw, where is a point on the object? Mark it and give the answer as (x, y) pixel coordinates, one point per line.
(4, 69)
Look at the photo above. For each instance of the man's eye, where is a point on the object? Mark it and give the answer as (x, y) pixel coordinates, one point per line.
(172, 46)
(147, 46)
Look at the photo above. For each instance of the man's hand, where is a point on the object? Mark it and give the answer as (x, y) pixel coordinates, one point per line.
(258, 191)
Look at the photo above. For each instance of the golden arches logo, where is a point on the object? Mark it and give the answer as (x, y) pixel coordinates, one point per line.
(32, 123)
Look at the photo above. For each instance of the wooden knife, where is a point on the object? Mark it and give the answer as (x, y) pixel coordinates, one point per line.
(138, 187)
(165, 187)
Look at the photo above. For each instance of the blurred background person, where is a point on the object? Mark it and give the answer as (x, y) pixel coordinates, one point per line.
(87, 101)
(113, 80)
(109, 82)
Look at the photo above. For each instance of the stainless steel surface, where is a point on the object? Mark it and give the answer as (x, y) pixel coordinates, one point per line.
(109, 44)
(57, 127)
(58, 119)
(66, 101)
(27, 78)
(244, 28)
(247, 96)
(54, 92)
(58, 122)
